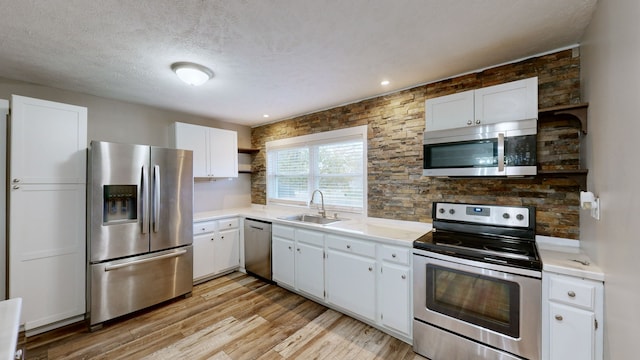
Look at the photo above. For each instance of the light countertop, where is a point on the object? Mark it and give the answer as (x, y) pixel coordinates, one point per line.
(564, 256)
(9, 327)
(395, 232)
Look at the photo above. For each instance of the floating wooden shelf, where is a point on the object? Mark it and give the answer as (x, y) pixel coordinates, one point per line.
(579, 176)
(579, 111)
(248, 151)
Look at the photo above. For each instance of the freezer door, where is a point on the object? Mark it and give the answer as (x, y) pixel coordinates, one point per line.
(123, 286)
(172, 198)
(118, 201)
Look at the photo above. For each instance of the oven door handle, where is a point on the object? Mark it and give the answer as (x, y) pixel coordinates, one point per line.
(500, 152)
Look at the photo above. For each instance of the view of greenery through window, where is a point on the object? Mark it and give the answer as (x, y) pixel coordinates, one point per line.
(336, 168)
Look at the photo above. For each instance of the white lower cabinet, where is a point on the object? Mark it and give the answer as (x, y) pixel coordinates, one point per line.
(309, 260)
(282, 260)
(394, 292)
(351, 275)
(572, 317)
(216, 248)
(298, 259)
(360, 277)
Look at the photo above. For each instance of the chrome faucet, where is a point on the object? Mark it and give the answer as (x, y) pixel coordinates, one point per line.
(323, 212)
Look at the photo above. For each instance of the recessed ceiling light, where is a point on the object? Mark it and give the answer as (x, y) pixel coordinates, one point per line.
(384, 82)
(191, 73)
(265, 115)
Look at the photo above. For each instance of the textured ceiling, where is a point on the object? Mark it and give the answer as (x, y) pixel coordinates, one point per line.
(279, 57)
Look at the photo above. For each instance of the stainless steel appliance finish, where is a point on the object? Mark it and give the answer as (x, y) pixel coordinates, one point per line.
(257, 248)
(140, 227)
(477, 284)
(501, 149)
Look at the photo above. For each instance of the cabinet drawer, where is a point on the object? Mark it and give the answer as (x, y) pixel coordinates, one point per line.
(310, 237)
(351, 245)
(204, 227)
(395, 254)
(228, 223)
(283, 231)
(574, 292)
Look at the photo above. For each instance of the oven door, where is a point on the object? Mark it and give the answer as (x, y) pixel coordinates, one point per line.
(463, 298)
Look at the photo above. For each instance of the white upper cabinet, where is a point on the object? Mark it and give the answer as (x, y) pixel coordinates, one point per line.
(48, 142)
(513, 101)
(215, 151)
(451, 111)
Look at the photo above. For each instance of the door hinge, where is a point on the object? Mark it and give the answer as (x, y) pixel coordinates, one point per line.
(381, 316)
(324, 255)
(596, 323)
(324, 294)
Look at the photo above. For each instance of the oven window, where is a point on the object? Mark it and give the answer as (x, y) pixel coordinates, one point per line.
(482, 153)
(481, 300)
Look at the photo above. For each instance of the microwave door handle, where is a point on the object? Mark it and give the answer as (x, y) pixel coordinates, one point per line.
(144, 192)
(500, 152)
(156, 197)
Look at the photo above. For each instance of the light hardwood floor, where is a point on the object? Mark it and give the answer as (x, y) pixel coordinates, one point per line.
(232, 317)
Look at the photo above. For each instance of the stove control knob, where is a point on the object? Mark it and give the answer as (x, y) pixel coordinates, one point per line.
(520, 217)
(506, 215)
(441, 211)
(451, 211)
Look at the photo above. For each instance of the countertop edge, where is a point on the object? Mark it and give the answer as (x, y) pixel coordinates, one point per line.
(564, 256)
(376, 229)
(9, 327)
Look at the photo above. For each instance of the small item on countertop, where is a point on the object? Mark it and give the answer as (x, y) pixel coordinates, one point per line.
(583, 262)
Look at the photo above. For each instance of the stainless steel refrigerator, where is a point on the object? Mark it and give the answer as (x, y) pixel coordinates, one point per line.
(139, 228)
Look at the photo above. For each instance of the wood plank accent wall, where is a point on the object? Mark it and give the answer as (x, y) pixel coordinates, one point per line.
(396, 187)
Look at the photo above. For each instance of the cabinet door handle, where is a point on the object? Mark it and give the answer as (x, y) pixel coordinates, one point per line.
(370, 268)
(403, 276)
(469, 122)
(16, 187)
(298, 249)
(477, 121)
(289, 247)
(393, 256)
(571, 294)
(558, 317)
(16, 180)
(348, 246)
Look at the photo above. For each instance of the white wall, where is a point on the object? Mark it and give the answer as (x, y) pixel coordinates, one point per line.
(119, 121)
(4, 108)
(610, 55)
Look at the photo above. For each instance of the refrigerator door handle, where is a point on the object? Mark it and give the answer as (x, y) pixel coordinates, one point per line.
(156, 197)
(142, 261)
(145, 200)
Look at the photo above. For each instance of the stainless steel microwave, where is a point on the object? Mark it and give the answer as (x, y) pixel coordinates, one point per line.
(500, 149)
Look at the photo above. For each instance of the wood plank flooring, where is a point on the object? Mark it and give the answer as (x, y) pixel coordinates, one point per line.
(232, 317)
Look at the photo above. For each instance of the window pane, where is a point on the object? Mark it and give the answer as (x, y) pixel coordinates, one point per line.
(344, 158)
(291, 188)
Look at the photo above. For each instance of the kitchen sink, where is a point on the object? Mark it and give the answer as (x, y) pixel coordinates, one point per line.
(315, 219)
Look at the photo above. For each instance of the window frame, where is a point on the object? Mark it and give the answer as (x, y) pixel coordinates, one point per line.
(310, 141)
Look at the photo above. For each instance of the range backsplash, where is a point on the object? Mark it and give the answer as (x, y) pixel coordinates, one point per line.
(396, 187)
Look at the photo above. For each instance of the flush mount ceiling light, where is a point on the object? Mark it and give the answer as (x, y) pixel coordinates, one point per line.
(192, 74)
(384, 82)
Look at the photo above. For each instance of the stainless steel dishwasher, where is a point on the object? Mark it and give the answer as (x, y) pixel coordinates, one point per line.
(257, 248)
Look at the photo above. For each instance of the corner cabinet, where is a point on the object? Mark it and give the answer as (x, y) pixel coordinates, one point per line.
(216, 248)
(572, 313)
(215, 151)
(512, 101)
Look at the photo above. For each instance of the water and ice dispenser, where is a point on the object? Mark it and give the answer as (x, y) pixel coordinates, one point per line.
(120, 204)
